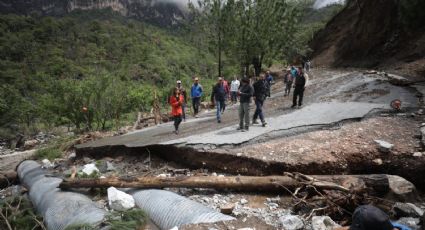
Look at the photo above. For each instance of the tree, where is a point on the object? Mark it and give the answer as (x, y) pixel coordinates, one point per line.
(252, 31)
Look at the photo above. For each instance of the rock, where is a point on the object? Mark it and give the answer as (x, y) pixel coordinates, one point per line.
(291, 222)
(87, 160)
(407, 210)
(174, 228)
(243, 201)
(227, 209)
(410, 222)
(384, 146)
(110, 167)
(401, 189)
(101, 165)
(397, 80)
(47, 164)
(323, 223)
(90, 169)
(423, 135)
(378, 161)
(420, 112)
(214, 174)
(118, 200)
(418, 154)
(30, 144)
(72, 155)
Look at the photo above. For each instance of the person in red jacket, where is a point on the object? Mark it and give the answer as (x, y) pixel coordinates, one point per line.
(176, 102)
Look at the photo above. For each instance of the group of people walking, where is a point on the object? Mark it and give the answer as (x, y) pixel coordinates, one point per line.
(243, 90)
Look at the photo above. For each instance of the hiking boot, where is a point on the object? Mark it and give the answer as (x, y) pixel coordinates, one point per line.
(218, 121)
(293, 106)
(263, 123)
(239, 128)
(246, 128)
(176, 132)
(255, 122)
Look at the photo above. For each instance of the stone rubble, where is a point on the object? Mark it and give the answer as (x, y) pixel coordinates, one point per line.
(119, 200)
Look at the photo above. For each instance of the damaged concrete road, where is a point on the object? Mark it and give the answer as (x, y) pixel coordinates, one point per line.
(334, 133)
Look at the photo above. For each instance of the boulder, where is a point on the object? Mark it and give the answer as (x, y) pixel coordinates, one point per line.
(401, 189)
(89, 169)
(410, 222)
(384, 146)
(118, 200)
(291, 222)
(227, 209)
(47, 164)
(323, 223)
(407, 210)
(30, 144)
(397, 80)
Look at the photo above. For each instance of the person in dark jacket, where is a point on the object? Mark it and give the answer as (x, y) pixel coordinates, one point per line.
(300, 82)
(261, 87)
(218, 97)
(245, 92)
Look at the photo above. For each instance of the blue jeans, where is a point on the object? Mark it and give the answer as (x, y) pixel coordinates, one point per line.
(219, 105)
(258, 110)
(234, 95)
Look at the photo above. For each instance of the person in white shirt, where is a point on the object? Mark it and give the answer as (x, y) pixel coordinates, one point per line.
(234, 87)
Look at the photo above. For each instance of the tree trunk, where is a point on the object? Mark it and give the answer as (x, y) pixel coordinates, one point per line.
(377, 183)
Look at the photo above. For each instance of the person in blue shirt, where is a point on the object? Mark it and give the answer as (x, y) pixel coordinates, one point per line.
(368, 217)
(269, 79)
(196, 93)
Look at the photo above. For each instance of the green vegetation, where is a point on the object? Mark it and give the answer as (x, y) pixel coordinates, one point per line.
(50, 153)
(127, 220)
(19, 214)
(88, 69)
(94, 70)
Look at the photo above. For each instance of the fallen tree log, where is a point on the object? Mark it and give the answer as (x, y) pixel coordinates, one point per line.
(8, 178)
(376, 183)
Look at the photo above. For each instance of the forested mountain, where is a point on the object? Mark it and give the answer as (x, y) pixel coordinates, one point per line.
(162, 13)
(111, 57)
(52, 67)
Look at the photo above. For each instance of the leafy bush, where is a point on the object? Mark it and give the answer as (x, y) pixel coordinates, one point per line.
(50, 153)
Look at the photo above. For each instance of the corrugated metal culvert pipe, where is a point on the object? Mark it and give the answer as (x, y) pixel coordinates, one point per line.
(59, 209)
(167, 209)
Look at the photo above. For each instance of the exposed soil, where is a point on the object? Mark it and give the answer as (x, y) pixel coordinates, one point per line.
(370, 34)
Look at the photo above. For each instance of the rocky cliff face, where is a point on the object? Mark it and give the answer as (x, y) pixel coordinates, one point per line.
(164, 13)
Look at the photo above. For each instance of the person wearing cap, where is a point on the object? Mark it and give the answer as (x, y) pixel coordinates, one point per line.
(245, 92)
(368, 217)
(196, 93)
(218, 97)
(184, 94)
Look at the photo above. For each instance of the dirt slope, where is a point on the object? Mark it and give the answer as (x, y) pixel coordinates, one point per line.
(372, 34)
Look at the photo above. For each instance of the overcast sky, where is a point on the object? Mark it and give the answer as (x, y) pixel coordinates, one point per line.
(322, 3)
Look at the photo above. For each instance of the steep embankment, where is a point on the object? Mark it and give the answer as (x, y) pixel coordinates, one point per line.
(383, 33)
